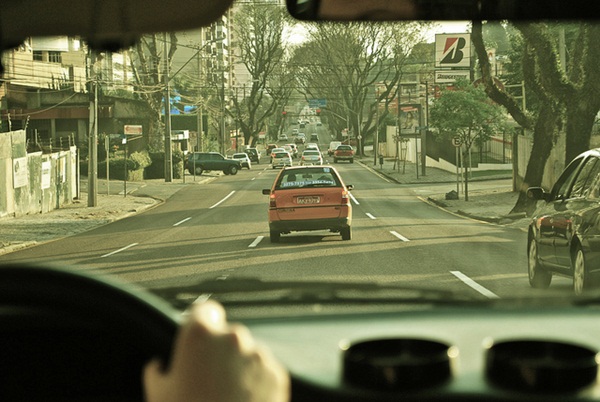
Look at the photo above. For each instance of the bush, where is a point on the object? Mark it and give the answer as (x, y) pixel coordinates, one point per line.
(156, 169)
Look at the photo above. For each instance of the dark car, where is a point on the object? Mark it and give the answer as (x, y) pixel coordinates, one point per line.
(564, 231)
(253, 154)
(200, 162)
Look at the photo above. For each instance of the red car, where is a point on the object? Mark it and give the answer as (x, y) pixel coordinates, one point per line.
(309, 198)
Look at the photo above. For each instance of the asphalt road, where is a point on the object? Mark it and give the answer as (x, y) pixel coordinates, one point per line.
(219, 231)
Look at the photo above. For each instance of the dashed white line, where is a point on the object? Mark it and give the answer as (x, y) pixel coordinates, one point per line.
(353, 199)
(256, 241)
(119, 250)
(182, 221)
(398, 235)
(470, 282)
(223, 200)
(370, 215)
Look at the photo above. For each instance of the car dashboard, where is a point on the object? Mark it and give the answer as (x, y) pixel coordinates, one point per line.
(449, 353)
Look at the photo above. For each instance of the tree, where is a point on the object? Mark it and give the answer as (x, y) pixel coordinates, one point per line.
(566, 91)
(356, 68)
(148, 62)
(260, 36)
(466, 112)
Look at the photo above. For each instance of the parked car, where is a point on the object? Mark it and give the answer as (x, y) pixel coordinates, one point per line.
(200, 162)
(253, 154)
(333, 146)
(243, 158)
(281, 158)
(311, 157)
(343, 153)
(309, 198)
(563, 233)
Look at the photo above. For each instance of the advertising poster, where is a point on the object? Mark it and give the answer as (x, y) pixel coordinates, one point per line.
(20, 176)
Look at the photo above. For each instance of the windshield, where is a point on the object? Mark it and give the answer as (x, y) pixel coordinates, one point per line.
(449, 123)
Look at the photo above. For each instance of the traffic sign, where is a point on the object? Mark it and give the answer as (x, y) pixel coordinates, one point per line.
(132, 130)
(317, 103)
(456, 141)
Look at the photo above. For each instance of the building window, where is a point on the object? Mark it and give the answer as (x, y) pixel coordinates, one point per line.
(54, 57)
(37, 55)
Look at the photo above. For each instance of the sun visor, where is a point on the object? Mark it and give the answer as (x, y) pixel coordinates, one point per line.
(106, 24)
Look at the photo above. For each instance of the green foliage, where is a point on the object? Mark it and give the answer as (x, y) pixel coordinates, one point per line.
(141, 160)
(465, 111)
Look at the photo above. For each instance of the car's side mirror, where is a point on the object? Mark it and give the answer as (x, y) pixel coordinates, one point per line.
(349, 187)
(538, 193)
(266, 191)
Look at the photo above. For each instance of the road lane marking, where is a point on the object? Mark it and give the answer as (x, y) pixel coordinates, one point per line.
(254, 178)
(353, 199)
(182, 221)
(370, 216)
(398, 235)
(470, 282)
(223, 200)
(202, 298)
(119, 250)
(255, 242)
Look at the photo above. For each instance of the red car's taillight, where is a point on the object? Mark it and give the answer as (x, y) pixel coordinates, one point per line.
(272, 202)
(345, 197)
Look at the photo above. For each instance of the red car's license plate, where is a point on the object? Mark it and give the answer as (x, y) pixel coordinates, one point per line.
(308, 200)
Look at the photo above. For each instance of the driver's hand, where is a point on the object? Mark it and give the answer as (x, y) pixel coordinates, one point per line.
(216, 361)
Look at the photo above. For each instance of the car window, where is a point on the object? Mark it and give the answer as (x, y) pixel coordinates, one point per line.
(322, 177)
(584, 178)
(562, 187)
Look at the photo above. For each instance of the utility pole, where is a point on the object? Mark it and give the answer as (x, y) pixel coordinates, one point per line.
(168, 148)
(93, 135)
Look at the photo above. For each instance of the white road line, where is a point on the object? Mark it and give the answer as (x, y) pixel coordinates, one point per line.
(254, 178)
(223, 200)
(182, 221)
(398, 235)
(470, 282)
(202, 298)
(370, 216)
(255, 242)
(353, 199)
(119, 250)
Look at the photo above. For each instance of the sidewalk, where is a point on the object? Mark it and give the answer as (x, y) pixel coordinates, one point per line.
(490, 193)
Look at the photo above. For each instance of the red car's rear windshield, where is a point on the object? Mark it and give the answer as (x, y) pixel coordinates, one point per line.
(309, 177)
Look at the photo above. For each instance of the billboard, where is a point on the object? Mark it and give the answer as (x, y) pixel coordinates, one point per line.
(453, 50)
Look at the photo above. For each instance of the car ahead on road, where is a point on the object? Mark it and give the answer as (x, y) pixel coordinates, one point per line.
(200, 162)
(312, 146)
(332, 147)
(293, 149)
(274, 151)
(564, 231)
(343, 153)
(311, 157)
(270, 147)
(243, 158)
(309, 198)
(314, 137)
(282, 137)
(300, 139)
(281, 158)
(253, 154)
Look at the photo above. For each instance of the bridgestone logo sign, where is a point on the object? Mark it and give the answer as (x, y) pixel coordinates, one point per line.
(453, 50)
(447, 77)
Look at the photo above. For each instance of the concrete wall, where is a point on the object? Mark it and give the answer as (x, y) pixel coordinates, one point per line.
(34, 183)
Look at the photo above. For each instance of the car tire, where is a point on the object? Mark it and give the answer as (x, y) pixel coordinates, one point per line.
(346, 233)
(233, 170)
(199, 170)
(538, 277)
(275, 236)
(581, 278)
(226, 172)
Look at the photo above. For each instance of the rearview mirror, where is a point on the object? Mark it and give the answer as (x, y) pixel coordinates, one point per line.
(395, 10)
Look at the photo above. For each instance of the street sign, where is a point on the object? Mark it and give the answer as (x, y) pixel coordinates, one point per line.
(456, 141)
(132, 130)
(317, 103)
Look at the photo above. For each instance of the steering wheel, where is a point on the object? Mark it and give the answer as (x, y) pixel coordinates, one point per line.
(67, 335)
